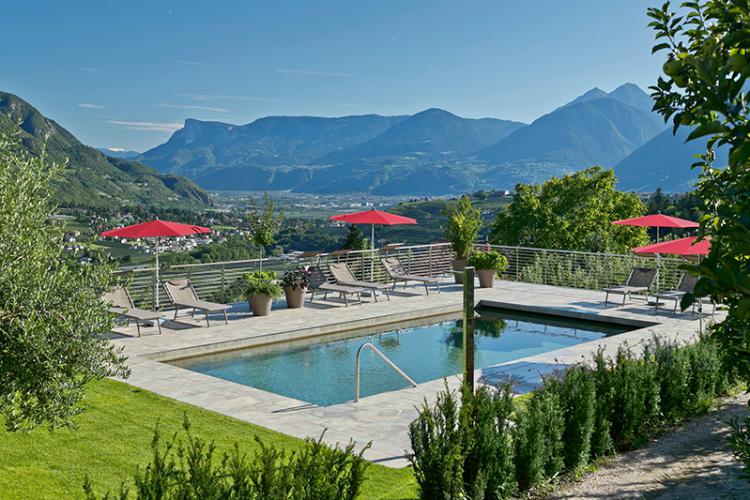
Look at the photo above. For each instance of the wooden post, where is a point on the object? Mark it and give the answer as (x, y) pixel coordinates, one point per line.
(468, 333)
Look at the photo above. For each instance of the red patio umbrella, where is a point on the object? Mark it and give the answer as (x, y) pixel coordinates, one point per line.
(156, 229)
(373, 217)
(683, 246)
(657, 221)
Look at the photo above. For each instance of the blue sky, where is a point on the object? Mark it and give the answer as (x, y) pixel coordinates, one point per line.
(126, 74)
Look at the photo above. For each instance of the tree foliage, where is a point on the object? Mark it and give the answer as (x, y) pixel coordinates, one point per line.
(51, 315)
(355, 240)
(464, 223)
(704, 87)
(264, 222)
(573, 212)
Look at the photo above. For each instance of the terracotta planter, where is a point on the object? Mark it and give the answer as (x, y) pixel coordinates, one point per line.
(260, 304)
(458, 265)
(486, 277)
(295, 297)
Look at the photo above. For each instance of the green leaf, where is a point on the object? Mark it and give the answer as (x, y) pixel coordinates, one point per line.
(705, 129)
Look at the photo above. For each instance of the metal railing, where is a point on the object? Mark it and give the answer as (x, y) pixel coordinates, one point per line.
(384, 358)
(221, 280)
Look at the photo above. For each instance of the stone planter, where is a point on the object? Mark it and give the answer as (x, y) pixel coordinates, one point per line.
(486, 277)
(260, 304)
(458, 265)
(295, 297)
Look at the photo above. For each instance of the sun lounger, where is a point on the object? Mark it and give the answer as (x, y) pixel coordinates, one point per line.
(641, 280)
(318, 281)
(344, 276)
(396, 271)
(122, 305)
(182, 295)
(685, 286)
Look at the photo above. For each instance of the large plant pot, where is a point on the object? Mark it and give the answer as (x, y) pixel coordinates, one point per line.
(295, 297)
(458, 265)
(260, 304)
(486, 277)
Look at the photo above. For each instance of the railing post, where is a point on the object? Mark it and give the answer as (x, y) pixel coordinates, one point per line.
(223, 281)
(429, 260)
(468, 333)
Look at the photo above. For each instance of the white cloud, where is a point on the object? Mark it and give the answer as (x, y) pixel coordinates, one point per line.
(197, 108)
(220, 97)
(115, 150)
(194, 63)
(88, 105)
(147, 126)
(308, 72)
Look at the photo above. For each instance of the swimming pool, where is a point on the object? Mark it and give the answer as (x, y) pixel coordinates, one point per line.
(323, 373)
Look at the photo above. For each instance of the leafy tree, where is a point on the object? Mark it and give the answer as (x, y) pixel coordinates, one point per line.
(464, 223)
(705, 87)
(573, 212)
(264, 222)
(51, 315)
(355, 240)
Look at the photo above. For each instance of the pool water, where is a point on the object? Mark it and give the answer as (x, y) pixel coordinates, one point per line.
(323, 373)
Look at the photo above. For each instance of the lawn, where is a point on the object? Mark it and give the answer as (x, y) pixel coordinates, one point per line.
(113, 437)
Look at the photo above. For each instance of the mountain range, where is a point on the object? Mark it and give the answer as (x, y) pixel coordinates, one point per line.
(91, 178)
(431, 152)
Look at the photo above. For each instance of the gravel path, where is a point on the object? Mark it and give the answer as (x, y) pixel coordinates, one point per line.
(694, 462)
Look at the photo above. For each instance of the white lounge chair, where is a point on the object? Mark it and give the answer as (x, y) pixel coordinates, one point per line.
(640, 280)
(122, 305)
(182, 295)
(396, 271)
(344, 276)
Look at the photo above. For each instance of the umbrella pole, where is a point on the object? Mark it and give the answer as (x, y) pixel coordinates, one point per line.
(156, 284)
(372, 253)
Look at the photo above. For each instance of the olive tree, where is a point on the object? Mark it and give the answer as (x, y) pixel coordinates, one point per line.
(51, 316)
(705, 88)
(264, 222)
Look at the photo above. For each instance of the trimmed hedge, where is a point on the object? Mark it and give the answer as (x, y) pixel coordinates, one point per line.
(483, 448)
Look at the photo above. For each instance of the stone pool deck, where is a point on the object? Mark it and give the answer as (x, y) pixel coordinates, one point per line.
(383, 418)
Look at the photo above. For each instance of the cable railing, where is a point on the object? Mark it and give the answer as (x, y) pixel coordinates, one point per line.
(222, 280)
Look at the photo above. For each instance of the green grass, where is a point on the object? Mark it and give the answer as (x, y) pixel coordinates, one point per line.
(113, 437)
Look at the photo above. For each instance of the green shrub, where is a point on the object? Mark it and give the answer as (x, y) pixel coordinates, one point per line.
(539, 443)
(636, 399)
(261, 283)
(601, 438)
(487, 440)
(706, 376)
(740, 442)
(437, 455)
(578, 398)
(489, 260)
(190, 470)
(674, 379)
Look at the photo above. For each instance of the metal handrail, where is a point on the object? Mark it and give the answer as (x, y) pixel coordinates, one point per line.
(384, 358)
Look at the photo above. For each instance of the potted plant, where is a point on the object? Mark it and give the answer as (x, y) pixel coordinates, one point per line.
(464, 222)
(260, 289)
(488, 264)
(295, 284)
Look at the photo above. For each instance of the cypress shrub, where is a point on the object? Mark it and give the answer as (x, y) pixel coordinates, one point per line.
(539, 443)
(601, 438)
(706, 379)
(487, 442)
(674, 379)
(636, 398)
(437, 454)
(578, 399)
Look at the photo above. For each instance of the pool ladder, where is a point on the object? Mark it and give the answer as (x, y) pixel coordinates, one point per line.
(384, 358)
